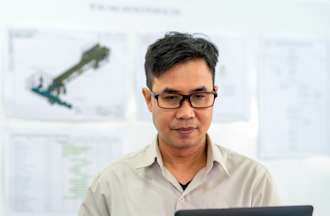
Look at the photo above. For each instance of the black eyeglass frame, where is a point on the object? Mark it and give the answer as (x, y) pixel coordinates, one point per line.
(186, 97)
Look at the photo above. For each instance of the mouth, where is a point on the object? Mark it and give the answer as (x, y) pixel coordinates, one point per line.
(185, 130)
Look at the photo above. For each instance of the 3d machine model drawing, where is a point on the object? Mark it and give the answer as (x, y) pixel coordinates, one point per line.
(52, 89)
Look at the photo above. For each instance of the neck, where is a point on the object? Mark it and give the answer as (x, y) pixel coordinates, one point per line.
(184, 163)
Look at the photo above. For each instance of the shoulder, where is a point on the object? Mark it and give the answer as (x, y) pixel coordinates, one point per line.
(251, 176)
(237, 163)
(121, 168)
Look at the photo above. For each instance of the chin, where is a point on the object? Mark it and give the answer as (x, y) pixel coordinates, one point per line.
(185, 143)
(182, 141)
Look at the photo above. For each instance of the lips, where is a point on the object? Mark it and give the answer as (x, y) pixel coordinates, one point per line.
(185, 130)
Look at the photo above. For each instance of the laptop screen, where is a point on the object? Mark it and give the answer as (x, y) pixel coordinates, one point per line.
(306, 210)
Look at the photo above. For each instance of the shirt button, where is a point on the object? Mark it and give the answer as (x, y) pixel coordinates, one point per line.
(180, 203)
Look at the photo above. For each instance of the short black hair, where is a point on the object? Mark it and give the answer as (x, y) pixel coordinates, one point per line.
(175, 48)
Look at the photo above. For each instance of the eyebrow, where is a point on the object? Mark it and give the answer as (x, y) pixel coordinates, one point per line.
(174, 91)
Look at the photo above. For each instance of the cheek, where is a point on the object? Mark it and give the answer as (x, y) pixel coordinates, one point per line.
(162, 119)
(204, 118)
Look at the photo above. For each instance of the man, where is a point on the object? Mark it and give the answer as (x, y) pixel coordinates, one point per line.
(183, 168)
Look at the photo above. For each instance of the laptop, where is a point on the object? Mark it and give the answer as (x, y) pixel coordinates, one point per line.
(303, 210)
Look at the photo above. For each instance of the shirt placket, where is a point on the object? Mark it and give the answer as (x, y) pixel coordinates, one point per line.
(183, 200)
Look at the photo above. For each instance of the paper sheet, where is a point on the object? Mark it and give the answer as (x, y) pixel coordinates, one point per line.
(232, 72)
(51, 70)
(143, 41)
(293, 98)
(48, 173)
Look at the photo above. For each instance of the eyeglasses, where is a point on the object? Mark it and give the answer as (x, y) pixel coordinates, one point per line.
(174, 100)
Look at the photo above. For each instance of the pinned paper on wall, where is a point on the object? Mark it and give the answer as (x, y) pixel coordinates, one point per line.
(143, 41)
(49, 173)
(231, 76)
(293, 98)
(66, 75)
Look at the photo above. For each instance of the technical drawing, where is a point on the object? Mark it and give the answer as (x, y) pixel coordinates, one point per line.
(52, 89)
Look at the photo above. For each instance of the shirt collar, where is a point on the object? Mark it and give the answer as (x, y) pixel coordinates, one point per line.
(214, 154)
(151, 154)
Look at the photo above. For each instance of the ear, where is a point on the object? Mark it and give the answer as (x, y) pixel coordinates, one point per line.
(216, 88)
(147, 98)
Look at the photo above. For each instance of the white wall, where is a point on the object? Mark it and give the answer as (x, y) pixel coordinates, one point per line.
(300, 181)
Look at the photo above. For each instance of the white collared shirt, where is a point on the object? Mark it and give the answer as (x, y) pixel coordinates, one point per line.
(139, 184)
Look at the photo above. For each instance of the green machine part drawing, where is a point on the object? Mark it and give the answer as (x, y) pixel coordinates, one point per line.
(91, 58)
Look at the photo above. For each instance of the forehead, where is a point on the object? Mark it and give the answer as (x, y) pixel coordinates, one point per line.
(185, 77)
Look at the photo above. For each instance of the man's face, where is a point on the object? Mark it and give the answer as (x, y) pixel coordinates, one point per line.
(185, 126)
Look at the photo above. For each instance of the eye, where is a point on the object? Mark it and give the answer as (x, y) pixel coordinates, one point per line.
(199, 96)
(170, 97)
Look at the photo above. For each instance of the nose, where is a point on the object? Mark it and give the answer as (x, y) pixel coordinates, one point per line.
(185, 111)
